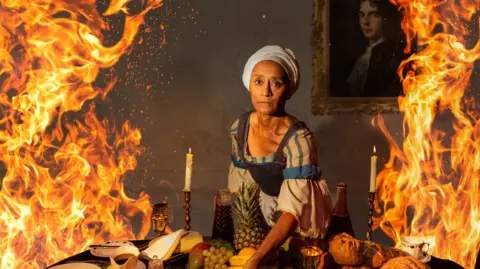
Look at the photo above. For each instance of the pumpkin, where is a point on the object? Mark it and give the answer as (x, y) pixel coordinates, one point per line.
(346, 250)
(355, 267)
(406, 262)
(373, 255)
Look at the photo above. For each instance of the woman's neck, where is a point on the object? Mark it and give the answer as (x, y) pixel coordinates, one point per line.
(270, 124)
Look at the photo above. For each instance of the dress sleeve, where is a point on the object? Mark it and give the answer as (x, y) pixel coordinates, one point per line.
(303, 193)
(237, 173)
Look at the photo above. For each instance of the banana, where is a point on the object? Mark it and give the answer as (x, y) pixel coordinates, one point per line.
(239, 260)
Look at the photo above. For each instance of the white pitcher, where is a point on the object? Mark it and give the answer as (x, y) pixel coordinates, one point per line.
(414, 245)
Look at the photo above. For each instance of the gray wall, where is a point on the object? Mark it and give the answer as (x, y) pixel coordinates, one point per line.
(200, 94)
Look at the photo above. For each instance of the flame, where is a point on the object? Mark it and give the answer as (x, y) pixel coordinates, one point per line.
(63, 187)
(433, 176)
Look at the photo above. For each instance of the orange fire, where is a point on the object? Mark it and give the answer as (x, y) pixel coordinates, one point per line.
(63, 187)
(434, 174)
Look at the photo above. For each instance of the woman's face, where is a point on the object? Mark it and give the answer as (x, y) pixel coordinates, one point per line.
(370, 20)
(268, 85)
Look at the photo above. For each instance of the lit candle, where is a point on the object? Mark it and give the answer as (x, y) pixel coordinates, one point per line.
(373, 171)
(188, 171)
(312, 251)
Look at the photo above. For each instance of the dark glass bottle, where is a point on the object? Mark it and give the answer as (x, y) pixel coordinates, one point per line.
(340, 222)
(223, 221)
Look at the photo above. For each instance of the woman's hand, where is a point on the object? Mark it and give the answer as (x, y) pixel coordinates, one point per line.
(274, 239)
(253, 262)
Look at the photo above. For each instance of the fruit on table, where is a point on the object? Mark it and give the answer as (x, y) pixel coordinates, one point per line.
(243, 256)
(286, 244)
(239, 260)
(248, 216)
(247, 251)
(217, 258)
(222, 244)
(196, 260)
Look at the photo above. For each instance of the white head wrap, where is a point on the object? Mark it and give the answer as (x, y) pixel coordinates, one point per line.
(282, 56)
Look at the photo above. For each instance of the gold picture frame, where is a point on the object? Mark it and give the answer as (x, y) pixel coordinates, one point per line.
(321, 103)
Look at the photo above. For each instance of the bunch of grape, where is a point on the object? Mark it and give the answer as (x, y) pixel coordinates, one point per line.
(217, 258)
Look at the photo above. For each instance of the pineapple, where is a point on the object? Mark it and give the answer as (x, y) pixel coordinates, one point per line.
(248, 216)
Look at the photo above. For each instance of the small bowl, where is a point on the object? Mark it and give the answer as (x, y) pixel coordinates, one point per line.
(310, 257)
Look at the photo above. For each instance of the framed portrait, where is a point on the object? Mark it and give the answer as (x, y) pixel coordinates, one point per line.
(358, 46)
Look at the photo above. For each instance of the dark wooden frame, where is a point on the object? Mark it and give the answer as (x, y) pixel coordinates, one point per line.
(321, 103)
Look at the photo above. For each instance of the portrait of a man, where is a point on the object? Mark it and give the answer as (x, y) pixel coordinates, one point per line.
(366, 46)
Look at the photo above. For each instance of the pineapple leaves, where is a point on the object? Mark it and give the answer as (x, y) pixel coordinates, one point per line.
(248, 216)
(247, 208)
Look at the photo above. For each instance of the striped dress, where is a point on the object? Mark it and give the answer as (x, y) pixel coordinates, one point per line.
(302, 193)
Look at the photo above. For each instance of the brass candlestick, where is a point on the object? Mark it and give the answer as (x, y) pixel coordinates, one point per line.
(371, 200)
(188, 227)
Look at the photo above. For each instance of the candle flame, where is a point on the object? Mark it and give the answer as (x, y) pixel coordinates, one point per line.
(374, 150)
(189, 150)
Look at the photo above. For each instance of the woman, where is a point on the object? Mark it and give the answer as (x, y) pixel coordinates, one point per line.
(277, 152)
